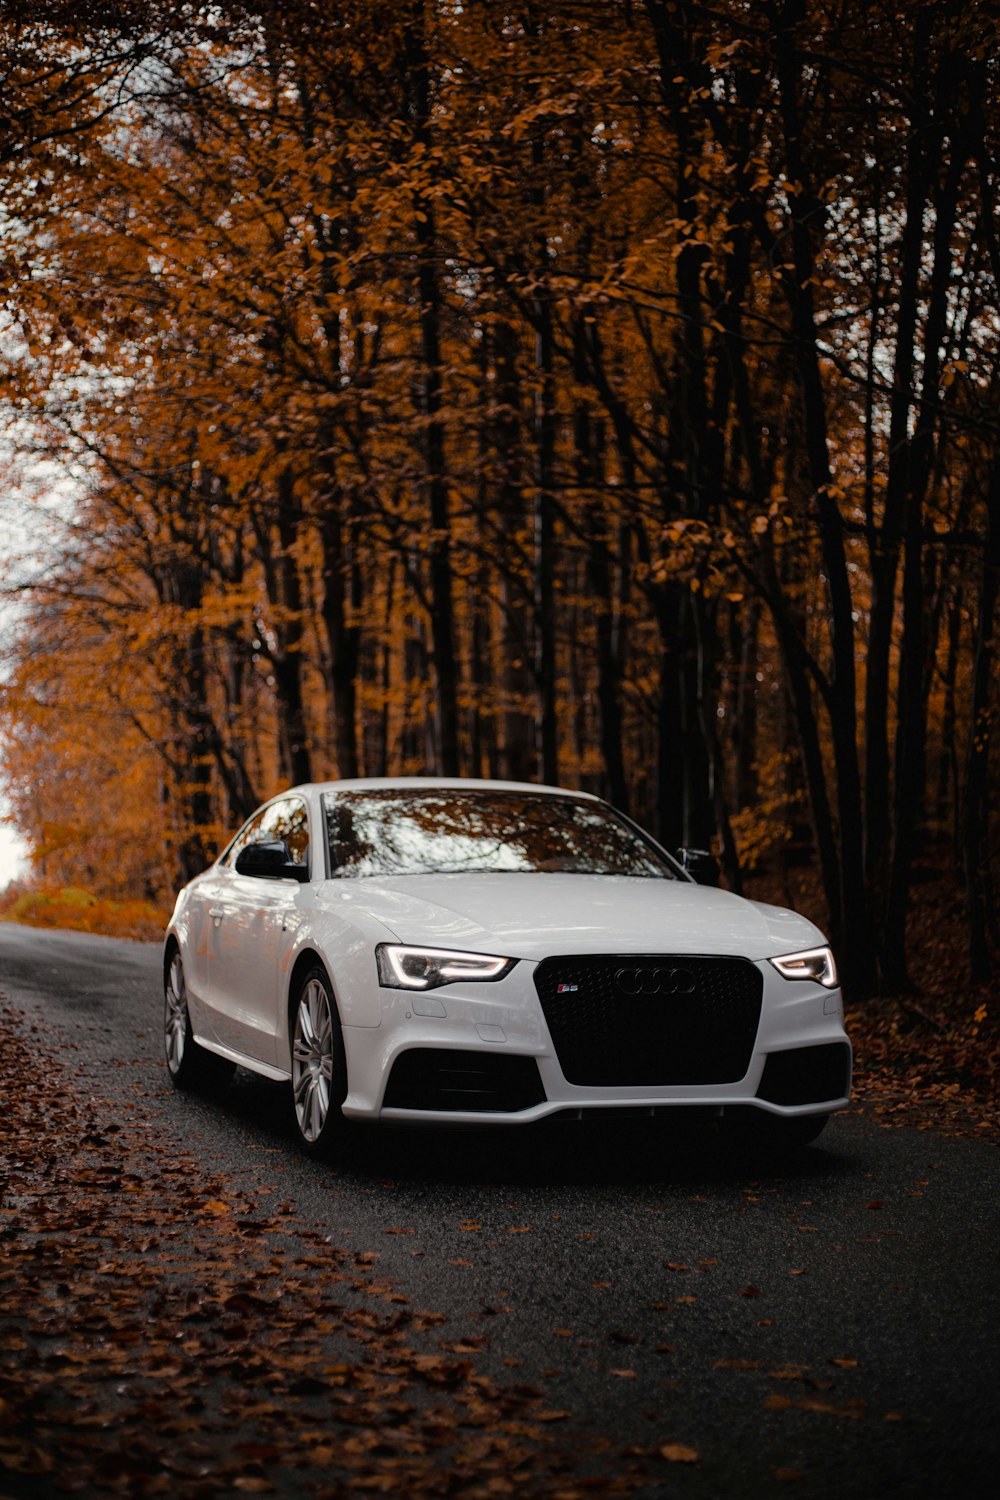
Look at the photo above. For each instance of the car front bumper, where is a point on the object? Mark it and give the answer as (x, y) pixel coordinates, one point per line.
(786, 1075)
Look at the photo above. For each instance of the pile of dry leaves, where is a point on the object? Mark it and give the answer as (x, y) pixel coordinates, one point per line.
(930, 1058)
(163, 1333)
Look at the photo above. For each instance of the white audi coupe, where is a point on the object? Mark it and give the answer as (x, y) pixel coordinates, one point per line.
(489, 952)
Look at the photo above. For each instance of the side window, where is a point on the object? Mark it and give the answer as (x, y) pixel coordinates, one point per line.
(288, 820)
(249, 834)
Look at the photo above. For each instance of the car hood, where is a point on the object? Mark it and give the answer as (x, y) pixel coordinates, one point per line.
(529, 916)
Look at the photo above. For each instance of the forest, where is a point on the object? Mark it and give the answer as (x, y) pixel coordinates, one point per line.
(596, 392)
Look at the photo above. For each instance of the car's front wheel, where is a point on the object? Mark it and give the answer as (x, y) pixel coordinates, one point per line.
(319, 1064)
(189, 1065)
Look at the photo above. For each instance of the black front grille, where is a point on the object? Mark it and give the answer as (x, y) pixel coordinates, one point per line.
(654, 1020)
(446, 1078)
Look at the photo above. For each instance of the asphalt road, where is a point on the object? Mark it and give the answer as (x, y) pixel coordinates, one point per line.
(829, 1332)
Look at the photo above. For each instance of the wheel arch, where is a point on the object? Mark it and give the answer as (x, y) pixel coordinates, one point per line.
(307, 962)
(307, 959)
(171, 945)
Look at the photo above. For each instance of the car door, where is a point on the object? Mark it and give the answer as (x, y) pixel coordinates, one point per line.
(254, 919)
(202, 912)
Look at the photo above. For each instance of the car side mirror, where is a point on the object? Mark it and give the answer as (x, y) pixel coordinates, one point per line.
(700, 865)
(270, 860)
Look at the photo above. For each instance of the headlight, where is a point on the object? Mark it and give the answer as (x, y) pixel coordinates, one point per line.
(814, 963)
(401, 968)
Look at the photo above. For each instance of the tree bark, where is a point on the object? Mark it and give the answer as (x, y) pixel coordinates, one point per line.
(430, 316)
(978, 873)
(343, 641)
(797, 275)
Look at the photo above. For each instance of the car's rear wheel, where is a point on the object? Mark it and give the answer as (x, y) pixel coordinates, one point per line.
(189, 1065)
(319, 1064)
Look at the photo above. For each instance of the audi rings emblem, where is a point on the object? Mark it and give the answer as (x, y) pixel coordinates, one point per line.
(655, 981)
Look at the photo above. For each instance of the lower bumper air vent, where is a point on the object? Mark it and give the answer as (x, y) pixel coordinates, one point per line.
(440, 1078)
(807, 1075)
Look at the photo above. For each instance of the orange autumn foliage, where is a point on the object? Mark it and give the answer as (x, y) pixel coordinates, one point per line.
(602, 396)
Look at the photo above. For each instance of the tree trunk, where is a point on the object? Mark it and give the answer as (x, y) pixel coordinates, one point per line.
(544, 564)
(429, 294)
(797, 276)
(978, 873)
(287, 660)
(514, 672)
(911, 733)
(343, 641)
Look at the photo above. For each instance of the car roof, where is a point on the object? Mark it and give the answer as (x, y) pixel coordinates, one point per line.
(427, 783)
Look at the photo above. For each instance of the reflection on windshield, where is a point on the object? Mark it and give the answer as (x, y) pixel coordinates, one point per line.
(453, 831)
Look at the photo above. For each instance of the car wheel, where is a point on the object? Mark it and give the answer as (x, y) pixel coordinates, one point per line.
(319, 1064)
(189, 1065)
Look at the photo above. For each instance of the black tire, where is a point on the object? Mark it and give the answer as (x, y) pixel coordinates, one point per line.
(190, 1066)
(318, 1065)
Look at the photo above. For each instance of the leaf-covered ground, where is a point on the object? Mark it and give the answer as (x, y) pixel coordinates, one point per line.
(930, 1058)
(163, 1333)
(170, 1329)
(908, 1071)
(76, 910)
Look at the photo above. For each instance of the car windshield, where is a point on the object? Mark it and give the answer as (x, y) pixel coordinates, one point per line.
(446, 830)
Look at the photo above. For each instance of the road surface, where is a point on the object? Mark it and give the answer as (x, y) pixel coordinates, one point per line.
(829, 1332)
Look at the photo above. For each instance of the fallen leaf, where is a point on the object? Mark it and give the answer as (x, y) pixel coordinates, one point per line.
(776, 1402)
(679, 1453)
(750, 1291)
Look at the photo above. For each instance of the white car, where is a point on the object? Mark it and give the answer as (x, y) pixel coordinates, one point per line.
(471, 952)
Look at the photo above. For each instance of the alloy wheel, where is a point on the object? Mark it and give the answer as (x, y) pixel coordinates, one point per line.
(313, 1060)
(175, 1016)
